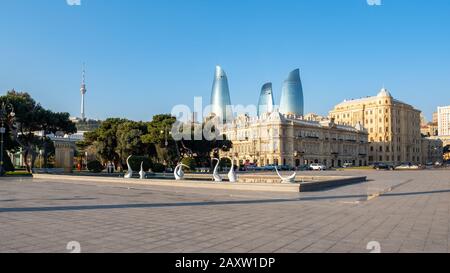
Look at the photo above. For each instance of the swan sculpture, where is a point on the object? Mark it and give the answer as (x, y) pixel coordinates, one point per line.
(290, 179)
(129, 174)
(178, 172)
(232, 174)
(142, 172)
(216, 176)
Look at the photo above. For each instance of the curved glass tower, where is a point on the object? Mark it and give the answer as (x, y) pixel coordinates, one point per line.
(292, 95)
(220, 96)
(266, 103)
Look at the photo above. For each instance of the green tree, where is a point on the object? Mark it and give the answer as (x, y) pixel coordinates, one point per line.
(116, 139)
(129, 139)
(30, 118)
(160, 143)
(105, 139)
(203, 149)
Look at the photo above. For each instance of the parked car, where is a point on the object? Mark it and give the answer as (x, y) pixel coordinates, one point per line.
(250, 168)
(270, 167)
(383, 166)
(285, 168)
(304, 168)
(347, 165)
(317, 167)
(407, 166)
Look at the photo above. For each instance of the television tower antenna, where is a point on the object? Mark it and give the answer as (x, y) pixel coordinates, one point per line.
(83, 91)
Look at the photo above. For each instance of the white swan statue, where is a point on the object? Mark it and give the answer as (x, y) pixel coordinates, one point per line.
(232, 173)
(290, 179)
(216, 175)
(178, 172)
(129, 174)
(142, 172)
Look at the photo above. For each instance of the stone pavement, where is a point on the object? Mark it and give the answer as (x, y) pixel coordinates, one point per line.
(413, 215)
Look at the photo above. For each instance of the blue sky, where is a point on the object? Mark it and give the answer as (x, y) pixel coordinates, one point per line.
(143, 57)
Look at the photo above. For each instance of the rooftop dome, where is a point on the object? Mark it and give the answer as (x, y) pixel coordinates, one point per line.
(384, 93)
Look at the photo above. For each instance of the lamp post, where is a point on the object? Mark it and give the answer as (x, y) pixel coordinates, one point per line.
(4, 116)
(86, 160)
(166, 143)
(41, 154)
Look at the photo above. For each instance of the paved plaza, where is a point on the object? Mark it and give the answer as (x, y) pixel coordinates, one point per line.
(411, 214)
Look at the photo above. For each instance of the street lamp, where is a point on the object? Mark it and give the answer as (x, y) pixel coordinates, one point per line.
(166, 143)
(41, 154)
(86, 160)
(4, 116)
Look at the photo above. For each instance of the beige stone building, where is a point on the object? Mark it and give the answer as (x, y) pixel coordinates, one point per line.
(393, 127)
(274, 138)
(445, 139)
(429, 129)
(435, 117)
(444, 120)
(314, 117)
(432, 151)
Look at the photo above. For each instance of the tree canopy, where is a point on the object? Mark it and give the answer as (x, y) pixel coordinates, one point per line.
(30, 118)
(116, 139)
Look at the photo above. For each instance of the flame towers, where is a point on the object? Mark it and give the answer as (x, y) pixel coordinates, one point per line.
(266, 102)
(292, 95)
(220, 96)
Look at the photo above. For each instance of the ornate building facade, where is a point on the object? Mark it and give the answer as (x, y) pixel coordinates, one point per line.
(274, 138)
(393, 126)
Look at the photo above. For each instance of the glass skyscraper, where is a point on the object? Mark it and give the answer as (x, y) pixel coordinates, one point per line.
(292, 95)
(266, 102)
(220, 96)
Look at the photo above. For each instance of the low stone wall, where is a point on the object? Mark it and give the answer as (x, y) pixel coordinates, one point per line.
(316, 184)
(173, 183)
(330, 184)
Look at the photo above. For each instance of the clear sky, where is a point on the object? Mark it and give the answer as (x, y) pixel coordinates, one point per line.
(145, 56)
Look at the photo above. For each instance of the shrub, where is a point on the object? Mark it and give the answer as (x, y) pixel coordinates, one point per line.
(135, 163)
(189, 161)
(224, 163)
(95, 166)
(158, 168)
(18, 173)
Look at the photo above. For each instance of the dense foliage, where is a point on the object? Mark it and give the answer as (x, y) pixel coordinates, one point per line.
(135, 163)
(116, 139)
(95, 166)
(30, 117)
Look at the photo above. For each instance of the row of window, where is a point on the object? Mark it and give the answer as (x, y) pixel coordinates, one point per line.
(387, 149)
(392, 158)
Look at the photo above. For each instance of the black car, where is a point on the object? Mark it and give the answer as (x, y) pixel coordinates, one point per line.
(303, 168)
(383, 166)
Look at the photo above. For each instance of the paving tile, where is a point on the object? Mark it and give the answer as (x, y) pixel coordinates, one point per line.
(414, 217)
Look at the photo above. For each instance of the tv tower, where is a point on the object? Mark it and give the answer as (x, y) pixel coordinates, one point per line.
(83, 92)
